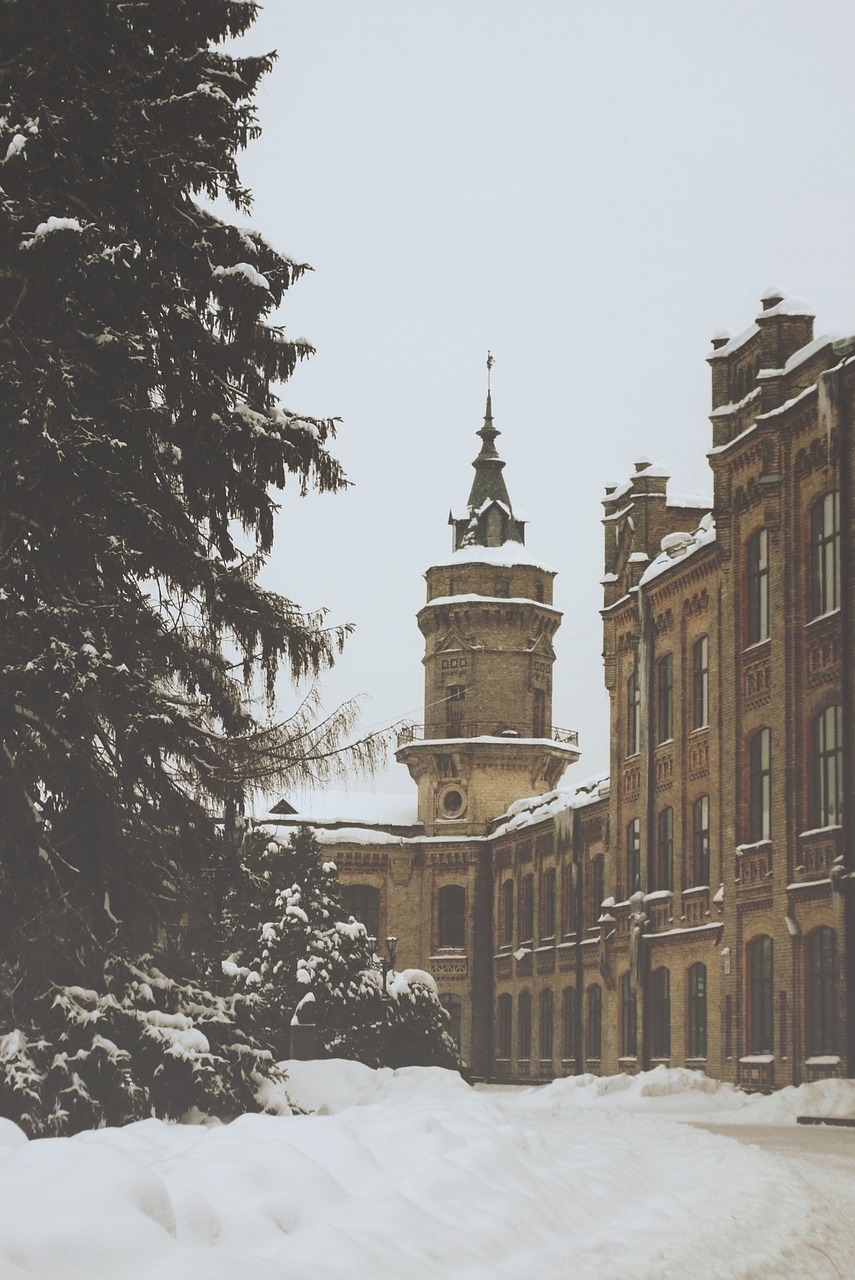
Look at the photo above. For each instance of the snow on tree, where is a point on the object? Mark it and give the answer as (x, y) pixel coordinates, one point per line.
(141, 442)
(291, 944)
(143, 1044)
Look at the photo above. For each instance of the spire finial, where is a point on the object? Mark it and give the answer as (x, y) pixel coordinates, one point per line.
(489, 367)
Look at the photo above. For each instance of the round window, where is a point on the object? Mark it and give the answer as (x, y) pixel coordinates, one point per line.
(452, 802)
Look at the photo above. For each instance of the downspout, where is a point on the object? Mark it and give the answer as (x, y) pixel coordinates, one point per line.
(646, 659)
(840, 397)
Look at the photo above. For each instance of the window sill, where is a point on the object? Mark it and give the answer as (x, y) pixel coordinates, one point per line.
(823, 617)
(757, 645)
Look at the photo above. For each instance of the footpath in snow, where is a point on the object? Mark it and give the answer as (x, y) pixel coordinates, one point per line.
(412, 1175)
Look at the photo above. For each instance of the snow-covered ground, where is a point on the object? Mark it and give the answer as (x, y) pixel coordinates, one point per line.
(412, 1175)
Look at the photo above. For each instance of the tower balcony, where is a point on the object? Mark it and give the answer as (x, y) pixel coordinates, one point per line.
(410, 733)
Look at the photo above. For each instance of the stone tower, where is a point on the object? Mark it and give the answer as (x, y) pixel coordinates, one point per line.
(487, 738)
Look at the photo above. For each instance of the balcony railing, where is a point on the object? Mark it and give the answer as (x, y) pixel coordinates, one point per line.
(483, 729)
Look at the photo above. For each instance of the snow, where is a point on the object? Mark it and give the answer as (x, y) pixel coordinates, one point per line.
(247, 271)
(393, 808)
(676, 548)
(473, 598)
(412, 1173)
(53, 224)
(506, 556)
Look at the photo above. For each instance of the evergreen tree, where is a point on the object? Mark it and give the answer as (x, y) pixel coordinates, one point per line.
(139, 430)
(291, 945)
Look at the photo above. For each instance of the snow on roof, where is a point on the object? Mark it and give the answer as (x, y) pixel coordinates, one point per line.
(645, 469)
(507, 555)
(702, 501)
(679, 547)
(472, 597)
(788, 306)
(391, 808)
(811, 348)
(533, 809)
(735, 343)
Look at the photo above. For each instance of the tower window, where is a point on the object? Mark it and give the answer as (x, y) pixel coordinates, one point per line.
(633, 714)
(502, 588)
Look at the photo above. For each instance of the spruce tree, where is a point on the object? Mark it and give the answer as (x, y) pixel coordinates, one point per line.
(141, 439)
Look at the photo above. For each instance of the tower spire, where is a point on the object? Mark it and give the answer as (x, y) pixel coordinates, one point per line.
(490, 520)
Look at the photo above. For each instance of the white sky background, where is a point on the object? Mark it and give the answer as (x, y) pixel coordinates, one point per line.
(591, 191)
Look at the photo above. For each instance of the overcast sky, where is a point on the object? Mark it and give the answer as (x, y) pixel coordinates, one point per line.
(590, 190)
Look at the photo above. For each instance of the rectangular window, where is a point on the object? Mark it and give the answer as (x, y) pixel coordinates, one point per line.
(825, 554)
(545, 1027)
(527, 909)
(547, 903)
(701, 841)
(761, 1037)
(538, 728)
(633, 856)
(665, 849)
(628, 1018)
(728, 1026)
(758, 587)
(698, 1011)
(524, 1025)
(700, 684)
(760, 786)
(660, 1019)
(827, 767)
(665, 699)
(568, 1023)
(598, 889)
(594, 1045)
(504, 1019)
(633, 714)
(502, 588)
(508, 913)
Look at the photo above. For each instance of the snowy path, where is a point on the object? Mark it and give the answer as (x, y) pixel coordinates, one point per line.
(414, 1176)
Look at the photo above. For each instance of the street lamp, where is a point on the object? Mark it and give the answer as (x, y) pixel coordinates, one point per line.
(389, 960)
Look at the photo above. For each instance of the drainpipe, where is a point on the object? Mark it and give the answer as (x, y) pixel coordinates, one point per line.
(645, 668)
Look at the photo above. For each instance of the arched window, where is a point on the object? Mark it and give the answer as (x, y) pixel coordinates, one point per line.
(660, 1013)
(761, 1008)
(504, 1019)
(452, 916)
(701, 841)
(633, 856)
(524, 1025)
(628, 1017)
(697, 1027)
(594, 1039)
(665, 849)
(760, 786)
(508, 913)
(453, 1006)
(825, 554)
(665, 699)
(545, 1027)
(701, 683)
(633, 714)
(362, 901)
(827, 767)
(568, 1023)
(822, 991)
(758, 587)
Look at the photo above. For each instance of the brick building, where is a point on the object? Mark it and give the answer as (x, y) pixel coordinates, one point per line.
(695, 908)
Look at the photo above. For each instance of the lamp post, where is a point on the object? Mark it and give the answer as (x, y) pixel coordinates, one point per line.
(387, 962)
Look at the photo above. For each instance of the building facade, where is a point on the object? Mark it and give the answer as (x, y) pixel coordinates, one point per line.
(695, 907)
